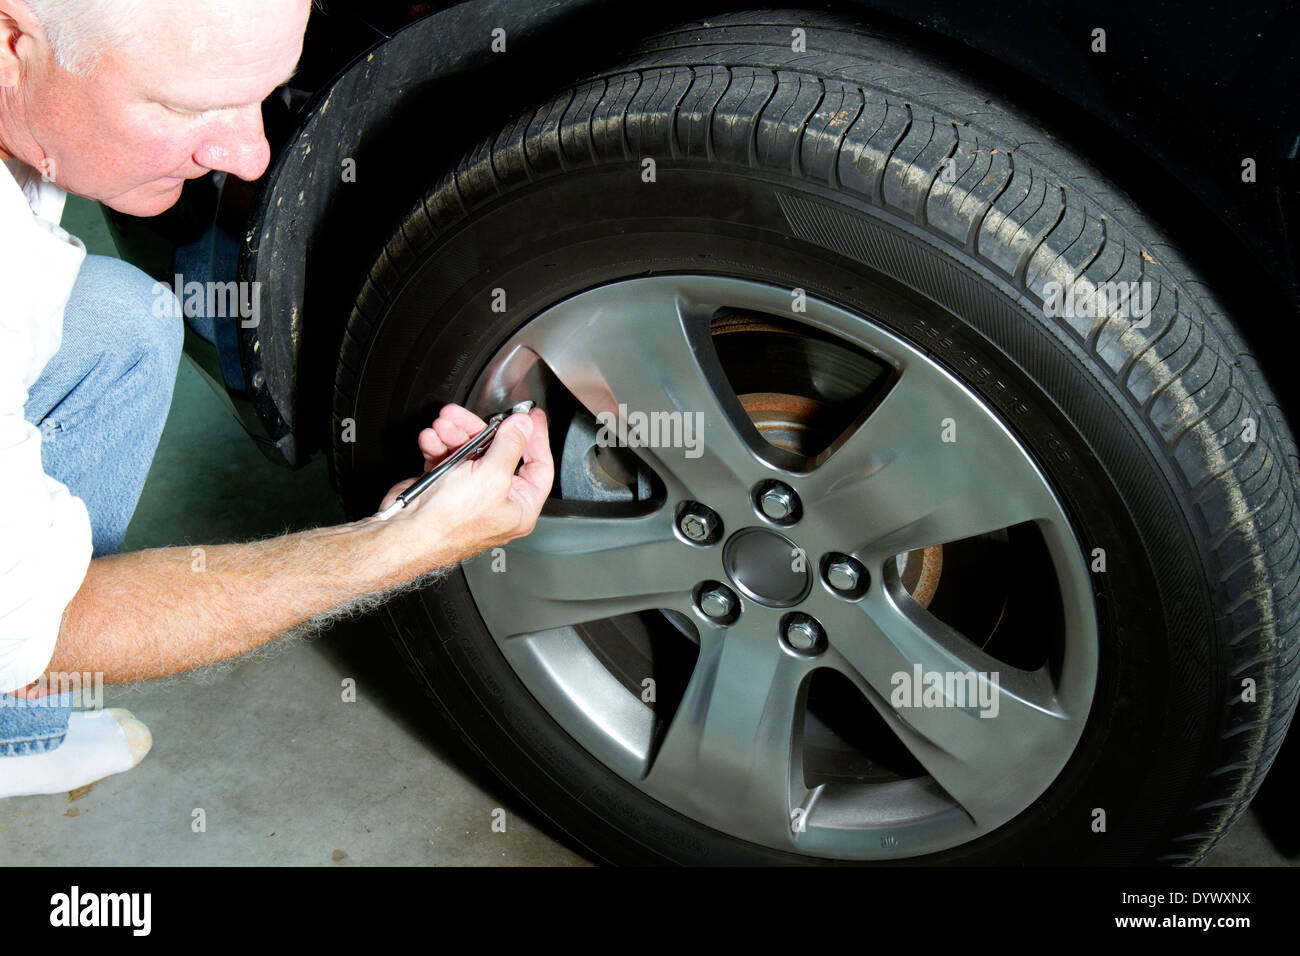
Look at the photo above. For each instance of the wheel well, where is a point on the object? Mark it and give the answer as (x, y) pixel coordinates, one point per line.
(314, 236)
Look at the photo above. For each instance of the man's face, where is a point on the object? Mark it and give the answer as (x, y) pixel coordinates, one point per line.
(182, 99)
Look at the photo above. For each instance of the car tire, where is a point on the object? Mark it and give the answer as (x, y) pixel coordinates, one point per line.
(877, 184)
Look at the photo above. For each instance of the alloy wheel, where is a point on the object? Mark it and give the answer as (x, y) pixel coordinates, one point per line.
(760, 559)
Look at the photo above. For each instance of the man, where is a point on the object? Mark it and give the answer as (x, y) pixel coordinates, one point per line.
(122, 101)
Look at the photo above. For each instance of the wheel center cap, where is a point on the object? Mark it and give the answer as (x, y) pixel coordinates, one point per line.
(767, 566)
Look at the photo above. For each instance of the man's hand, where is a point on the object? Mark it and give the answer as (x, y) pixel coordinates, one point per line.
(149, 613)
(478, 504)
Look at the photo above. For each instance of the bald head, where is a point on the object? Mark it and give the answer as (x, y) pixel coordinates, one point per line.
(79, 30)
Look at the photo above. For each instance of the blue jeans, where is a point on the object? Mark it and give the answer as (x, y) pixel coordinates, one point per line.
(100, 404)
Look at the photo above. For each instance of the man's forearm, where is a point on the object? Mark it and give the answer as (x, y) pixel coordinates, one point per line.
(150, 613)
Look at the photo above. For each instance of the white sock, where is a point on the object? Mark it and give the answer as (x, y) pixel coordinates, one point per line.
(99, 744)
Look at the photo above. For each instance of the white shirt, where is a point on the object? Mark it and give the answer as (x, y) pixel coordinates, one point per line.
(45, 540)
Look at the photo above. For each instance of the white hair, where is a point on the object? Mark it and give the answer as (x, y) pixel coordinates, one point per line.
(80, 30)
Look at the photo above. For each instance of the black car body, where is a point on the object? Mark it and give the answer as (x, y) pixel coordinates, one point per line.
(388, 86)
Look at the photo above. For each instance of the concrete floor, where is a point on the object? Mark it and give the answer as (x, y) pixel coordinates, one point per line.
(284, 770)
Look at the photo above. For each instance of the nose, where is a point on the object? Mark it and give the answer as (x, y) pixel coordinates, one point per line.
(236, 145)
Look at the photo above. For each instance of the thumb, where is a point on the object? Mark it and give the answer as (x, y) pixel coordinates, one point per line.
(507, 449)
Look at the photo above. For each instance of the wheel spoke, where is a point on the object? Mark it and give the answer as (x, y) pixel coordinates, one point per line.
(1006, 739)
(897, 482)
(730, 752)
(571, 570)
(646, 361)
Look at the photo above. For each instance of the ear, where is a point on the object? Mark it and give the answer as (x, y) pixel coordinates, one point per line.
(20, 38)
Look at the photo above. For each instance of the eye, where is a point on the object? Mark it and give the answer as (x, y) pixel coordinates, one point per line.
(188, 114)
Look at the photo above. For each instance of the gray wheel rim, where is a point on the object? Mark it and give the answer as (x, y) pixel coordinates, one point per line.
(730, 756)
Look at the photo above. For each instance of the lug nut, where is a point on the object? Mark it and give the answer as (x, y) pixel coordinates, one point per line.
(804, 634)
(717, 601)
(845, 574)
(699, 524)
(778, 502)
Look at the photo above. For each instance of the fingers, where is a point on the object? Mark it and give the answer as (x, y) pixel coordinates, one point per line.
(508, 447)
(483, 503)
(431, 446)
(521, 438)
(462, 418)
(453, 427)
(522, 443)
(534, 481)
(539, 445)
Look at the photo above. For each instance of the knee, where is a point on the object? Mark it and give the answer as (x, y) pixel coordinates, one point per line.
(125, 316)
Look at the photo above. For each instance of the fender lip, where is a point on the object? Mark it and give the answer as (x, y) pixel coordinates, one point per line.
(294, 209)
